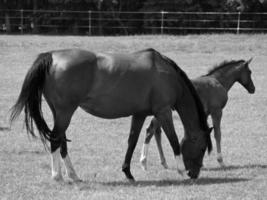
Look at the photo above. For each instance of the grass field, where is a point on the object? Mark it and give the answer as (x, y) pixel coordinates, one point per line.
(98, 146)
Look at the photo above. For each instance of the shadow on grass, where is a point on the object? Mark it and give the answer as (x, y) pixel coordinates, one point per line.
(25, 152)
(4, 128)
(36, 152)
(235, 167)
(164, 183)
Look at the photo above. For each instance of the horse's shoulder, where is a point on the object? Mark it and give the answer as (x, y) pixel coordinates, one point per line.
(146, 54)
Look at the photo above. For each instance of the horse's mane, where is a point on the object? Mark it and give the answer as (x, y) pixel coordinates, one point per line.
(199, 105)
(223, 64)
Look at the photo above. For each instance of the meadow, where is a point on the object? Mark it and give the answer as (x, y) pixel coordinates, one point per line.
(98, 146)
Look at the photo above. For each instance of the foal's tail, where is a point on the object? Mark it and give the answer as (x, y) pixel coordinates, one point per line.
(30, 98)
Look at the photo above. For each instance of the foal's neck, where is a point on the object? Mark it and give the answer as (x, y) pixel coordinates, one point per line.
(227, 76)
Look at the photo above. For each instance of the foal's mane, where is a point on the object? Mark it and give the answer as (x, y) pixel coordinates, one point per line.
(199, 105)
(222, 65)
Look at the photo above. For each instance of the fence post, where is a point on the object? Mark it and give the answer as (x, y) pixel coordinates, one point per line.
(90, 22)
(162, 22)
(238, 23)
(21, 21)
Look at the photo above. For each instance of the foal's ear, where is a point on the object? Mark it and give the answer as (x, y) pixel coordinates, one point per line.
(249, 61)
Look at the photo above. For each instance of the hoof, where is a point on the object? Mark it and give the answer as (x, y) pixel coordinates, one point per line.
(222, 165)
(143, 162)
(127, 172)
(164, 164)
(74, 181)
(220, 161)
(181, 173)
(131, 180)
(57, 177)
(74, 178)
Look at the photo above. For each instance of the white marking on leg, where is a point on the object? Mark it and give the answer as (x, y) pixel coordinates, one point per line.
(70, 169)
(55, 164)
(143, 158)
(180, 165)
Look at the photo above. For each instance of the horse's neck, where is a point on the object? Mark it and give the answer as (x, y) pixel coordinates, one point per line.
(187, 110)
(227, 76)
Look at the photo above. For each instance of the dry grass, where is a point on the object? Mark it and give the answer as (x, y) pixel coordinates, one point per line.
(98, 146)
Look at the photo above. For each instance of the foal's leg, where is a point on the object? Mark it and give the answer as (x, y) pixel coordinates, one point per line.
(136, 126)
(149, 134)
(165, 119)
(159, 145)
(216, 119)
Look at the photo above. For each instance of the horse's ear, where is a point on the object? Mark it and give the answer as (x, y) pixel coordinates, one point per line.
(249, 61)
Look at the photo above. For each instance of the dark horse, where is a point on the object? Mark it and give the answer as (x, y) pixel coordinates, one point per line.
(112, 86)
(213, 90)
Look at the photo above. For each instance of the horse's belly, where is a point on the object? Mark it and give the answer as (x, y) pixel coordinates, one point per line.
(112, 107)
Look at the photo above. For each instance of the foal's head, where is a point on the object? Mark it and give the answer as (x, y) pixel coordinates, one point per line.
(245, 77)
(193, 150)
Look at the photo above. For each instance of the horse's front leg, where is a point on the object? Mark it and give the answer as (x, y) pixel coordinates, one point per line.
(165, 119)
(136, 126)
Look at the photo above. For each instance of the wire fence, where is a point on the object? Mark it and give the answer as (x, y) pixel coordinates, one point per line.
(125, 23)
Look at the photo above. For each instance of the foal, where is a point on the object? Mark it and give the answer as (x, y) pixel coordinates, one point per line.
(212, 89)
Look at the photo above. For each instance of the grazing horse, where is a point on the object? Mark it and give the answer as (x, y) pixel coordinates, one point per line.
(213, 90)
(112, 86)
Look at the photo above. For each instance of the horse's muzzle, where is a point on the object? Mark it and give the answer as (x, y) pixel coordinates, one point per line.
(192, 175)
(252, 90)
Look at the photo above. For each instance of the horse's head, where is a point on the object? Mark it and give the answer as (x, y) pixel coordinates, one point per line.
(245, 77)
(193, 150)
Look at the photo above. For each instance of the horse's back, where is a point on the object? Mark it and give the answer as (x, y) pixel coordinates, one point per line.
(212, 94)
(122, 85)
(126, 84)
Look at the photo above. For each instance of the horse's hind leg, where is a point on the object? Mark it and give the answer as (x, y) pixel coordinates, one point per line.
(136, 126)
(149, 134)
(216, 120)
(55, 158)
(59, 146)
(55, 147)
(67, 162)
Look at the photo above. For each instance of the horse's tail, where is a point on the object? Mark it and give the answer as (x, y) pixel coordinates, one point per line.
(30, 98)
